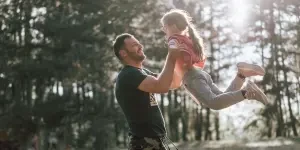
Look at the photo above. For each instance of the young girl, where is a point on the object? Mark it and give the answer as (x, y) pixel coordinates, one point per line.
(180, 31)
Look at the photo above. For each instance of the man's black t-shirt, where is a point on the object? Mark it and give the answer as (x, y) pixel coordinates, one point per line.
(140, 108)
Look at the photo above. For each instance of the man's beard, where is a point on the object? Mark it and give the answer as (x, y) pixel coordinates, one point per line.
(134, 56)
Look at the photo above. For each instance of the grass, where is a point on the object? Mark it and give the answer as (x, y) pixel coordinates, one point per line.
(271, 144)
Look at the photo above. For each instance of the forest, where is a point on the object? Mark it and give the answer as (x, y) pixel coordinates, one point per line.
(58, 70)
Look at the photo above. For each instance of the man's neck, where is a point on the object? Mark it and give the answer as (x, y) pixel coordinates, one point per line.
(137, 65)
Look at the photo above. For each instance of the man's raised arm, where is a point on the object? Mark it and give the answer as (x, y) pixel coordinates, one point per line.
(162, 83)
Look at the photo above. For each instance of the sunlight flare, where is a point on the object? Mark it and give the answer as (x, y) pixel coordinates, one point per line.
(239, 11)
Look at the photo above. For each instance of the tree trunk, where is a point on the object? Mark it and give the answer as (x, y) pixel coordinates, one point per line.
(184, 119)
(286, 84)
(217, 126)
(170, 114)
(199, 123)
(42, 139)
(298, 97)
(298, 57)
(207, 125)
(176, 116)
(275, 63)
(270, 126)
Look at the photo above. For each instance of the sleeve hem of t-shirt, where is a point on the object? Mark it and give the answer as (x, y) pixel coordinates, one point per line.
(134, 78)
(151, 73)
(139, 79)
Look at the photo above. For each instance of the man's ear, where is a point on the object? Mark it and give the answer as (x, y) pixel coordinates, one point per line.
(123, 53)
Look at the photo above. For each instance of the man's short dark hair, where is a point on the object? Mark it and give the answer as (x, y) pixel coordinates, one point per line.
(119, 43)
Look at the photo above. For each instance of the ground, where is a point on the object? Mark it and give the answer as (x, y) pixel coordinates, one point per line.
(273, 144)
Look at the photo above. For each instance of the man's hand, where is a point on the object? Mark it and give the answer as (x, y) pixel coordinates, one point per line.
(176, 52)
(162, 83)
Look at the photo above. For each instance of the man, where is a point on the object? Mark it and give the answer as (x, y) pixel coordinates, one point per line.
(135, 88)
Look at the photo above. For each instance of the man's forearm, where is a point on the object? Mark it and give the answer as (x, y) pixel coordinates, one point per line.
(176, 82)
(166, 76)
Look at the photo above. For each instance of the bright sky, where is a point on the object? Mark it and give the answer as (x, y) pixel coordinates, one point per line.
(238, 15)
(238, 12)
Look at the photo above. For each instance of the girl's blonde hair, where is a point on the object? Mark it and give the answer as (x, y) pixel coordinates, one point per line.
(183, 21)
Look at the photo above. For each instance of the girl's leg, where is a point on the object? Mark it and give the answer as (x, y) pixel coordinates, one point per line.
(236, 84)
(201, 92)
(200, 86)
(244, 70)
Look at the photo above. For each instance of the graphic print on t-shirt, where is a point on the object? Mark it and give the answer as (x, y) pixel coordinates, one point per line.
(153, 101)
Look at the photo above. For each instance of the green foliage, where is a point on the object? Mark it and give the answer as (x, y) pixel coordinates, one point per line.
(57, 68)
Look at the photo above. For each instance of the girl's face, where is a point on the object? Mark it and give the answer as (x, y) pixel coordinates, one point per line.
(169, 30)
